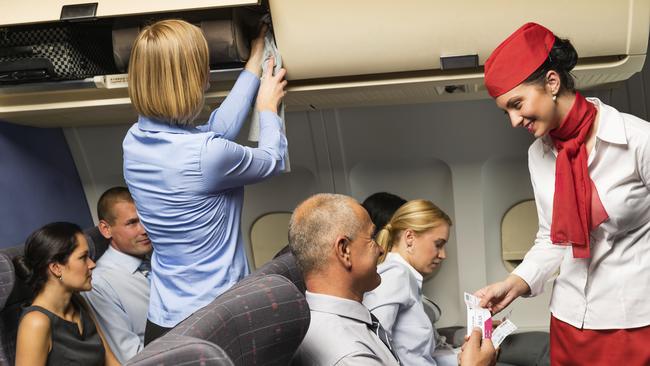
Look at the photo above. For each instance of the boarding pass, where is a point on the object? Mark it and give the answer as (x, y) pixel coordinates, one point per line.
(478, 317)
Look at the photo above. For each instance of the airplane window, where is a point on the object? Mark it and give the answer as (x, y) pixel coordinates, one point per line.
(269, 234)
(518, 230)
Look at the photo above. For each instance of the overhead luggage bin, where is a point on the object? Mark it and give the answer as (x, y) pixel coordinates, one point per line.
(374, 52)
(39, 11)
(347, 53)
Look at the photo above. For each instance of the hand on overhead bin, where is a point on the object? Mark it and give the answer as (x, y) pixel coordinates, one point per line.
(271, 89)
(255, 59)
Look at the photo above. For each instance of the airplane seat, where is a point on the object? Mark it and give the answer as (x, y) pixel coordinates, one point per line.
(8, 319)
(283, 264)
(15, 294)
(525, 349)
(174, 349)
(97, 243)
(259, 321)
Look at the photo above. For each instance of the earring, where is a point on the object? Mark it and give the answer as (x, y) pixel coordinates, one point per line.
(554, 98)
(61, 277)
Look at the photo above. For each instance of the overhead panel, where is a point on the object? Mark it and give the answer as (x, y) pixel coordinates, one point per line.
(38, 11)
(320, 39)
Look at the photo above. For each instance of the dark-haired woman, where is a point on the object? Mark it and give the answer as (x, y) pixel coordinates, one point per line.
(590, 171)
(57, 328)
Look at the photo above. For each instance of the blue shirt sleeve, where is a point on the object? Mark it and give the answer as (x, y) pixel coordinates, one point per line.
(227, 120)
(226, 164)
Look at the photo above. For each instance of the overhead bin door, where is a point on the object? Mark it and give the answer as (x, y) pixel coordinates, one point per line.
(333, 38)
(37, 11)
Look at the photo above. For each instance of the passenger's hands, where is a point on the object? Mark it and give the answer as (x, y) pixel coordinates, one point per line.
(254, 63)
(271, 89)
(475, 352)
(498, 296)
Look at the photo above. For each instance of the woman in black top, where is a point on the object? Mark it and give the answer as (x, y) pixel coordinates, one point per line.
(58, 329)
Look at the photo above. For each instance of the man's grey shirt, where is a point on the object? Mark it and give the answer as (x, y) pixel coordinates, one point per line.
(120, 301)
(338, 335)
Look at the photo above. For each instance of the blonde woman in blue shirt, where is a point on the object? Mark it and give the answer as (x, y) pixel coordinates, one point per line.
(187, 179)
(414, 246)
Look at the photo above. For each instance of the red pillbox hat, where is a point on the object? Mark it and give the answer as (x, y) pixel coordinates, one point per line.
(516, 58)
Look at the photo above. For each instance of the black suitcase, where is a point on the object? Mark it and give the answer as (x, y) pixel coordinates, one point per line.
(59, 51)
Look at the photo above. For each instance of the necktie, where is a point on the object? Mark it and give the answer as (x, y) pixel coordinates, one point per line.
(381, 333)
(145, 267)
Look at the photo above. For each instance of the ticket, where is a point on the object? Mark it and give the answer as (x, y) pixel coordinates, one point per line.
(478, 317)
(503, 330)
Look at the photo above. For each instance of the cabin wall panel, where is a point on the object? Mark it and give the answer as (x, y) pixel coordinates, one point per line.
(414, 178)
(385, 148)
(97, 153)
(39, 183)
(506, 183)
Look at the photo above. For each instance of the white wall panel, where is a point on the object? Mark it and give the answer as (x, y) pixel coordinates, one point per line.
(418, 179)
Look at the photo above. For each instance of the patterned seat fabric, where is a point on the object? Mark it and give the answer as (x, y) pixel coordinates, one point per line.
(176, 349)
(260, 321)
(7, 327)
(284, 265)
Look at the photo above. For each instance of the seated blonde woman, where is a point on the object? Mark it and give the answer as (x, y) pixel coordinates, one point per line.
(414, 245)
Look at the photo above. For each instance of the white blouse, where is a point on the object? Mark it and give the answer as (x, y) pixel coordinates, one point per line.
(397, 303)
(610, 290)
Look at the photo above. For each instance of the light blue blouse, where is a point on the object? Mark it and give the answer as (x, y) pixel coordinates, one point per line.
(188, 187)
(397, 303)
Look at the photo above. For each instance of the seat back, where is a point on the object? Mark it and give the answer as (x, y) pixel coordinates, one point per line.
(8, 325)
(181, 350)
(259, 321)
(97, 243)
(284, 265)
(14, 293)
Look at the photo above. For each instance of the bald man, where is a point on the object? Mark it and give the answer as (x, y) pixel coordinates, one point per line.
(331, 237)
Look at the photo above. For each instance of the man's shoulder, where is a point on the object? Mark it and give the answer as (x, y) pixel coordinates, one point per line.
(331, 337)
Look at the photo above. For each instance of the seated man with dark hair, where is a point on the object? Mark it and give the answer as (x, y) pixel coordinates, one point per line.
(120, 293)
(331, 237)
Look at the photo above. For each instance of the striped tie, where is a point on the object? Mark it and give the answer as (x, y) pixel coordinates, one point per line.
(381, 333)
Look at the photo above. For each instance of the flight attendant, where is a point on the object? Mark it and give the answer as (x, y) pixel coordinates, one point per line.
(187, 179)
(590, 171)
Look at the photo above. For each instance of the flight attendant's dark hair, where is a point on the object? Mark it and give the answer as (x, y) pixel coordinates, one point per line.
(562, 58)
(53, 243)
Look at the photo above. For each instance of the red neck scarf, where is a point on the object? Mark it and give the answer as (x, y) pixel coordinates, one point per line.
(576, 206)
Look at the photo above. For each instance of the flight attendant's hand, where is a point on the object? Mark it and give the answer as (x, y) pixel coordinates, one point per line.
(498, 296)
(254, 63)
(271, 89)
(477, 352)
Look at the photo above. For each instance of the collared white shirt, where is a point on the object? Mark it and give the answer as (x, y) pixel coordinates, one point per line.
(611, 289)
(338, 335)
(397, 303)
(120, 300)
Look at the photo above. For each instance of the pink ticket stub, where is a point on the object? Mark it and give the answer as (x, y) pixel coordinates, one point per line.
(477, 317)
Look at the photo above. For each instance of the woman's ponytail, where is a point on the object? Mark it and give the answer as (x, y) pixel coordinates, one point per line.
(385, 241)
